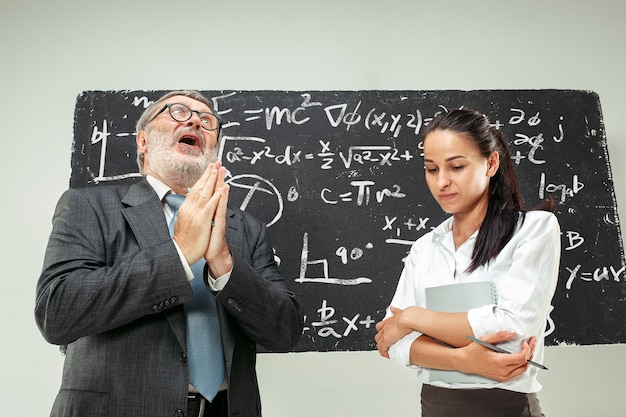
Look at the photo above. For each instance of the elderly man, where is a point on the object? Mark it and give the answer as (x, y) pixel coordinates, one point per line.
(158, 320)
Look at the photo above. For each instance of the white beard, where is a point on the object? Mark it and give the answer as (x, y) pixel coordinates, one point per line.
(174, 168)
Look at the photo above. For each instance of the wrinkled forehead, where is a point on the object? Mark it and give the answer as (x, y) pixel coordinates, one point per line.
(198, 103)
(188, 101)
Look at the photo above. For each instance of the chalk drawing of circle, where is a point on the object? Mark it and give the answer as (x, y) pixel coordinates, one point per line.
(260, 193)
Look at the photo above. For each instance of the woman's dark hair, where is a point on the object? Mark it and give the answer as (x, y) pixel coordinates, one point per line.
(506, 205)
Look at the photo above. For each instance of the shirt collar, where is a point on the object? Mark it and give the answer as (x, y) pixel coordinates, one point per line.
(442, 234)
(159, 187)
(444, 228)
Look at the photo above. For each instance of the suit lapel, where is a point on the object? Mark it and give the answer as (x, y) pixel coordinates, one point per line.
(234, 231)
(234, 237)
(144, 213)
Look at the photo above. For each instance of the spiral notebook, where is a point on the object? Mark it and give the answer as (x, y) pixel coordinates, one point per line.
(457, 298)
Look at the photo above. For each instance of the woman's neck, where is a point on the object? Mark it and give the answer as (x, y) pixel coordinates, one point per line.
(465, 225)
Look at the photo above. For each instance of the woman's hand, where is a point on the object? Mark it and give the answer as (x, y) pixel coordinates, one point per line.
(477, 359)
(390, 330)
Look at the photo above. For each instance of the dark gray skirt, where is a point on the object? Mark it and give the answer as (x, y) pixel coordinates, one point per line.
(496, 402)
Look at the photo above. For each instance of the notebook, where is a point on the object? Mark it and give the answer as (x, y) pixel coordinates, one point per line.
(457, 298)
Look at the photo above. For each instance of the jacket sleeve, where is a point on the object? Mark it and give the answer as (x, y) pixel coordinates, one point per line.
(97, 275)
(256, 296)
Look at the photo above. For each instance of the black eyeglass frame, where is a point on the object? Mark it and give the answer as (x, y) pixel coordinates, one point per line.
(191, 112)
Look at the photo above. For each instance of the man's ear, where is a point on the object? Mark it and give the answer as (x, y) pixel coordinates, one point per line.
(142, 143)
(142, 150)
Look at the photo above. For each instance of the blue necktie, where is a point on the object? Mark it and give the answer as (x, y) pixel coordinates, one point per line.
(204, 339)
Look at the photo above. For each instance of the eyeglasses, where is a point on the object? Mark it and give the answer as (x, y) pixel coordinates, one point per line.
(182, 113)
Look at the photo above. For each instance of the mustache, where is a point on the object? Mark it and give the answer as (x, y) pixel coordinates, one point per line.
(190, 131)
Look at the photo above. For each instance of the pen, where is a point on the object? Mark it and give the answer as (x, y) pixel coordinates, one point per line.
(497, 349)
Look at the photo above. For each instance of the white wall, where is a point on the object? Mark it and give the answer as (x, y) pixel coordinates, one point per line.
(53, 50)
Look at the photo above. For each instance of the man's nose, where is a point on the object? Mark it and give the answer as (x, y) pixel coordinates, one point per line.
(194, 120)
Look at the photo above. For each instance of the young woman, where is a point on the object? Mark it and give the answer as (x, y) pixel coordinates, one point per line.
(489, 237)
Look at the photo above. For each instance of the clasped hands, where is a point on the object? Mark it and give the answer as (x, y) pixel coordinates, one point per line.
(470, 357)
(200, 229)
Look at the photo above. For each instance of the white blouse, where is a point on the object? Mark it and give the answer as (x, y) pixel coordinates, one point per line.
(525, 274)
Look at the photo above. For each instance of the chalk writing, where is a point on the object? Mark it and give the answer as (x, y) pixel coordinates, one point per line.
(361, 193)
(327, 326)
(325, 278)
(598, 274)
(562, 191)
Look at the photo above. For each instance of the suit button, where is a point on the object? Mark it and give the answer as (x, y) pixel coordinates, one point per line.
(182, 357)
(155, 308)
(234, 305)
(178, 413)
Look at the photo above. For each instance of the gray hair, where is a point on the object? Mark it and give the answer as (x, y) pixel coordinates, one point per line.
(144, 119)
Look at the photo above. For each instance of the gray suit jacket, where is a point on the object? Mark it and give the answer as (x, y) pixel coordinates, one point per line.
(112, 289)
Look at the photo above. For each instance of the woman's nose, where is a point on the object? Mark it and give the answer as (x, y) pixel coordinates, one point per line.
(443, 180)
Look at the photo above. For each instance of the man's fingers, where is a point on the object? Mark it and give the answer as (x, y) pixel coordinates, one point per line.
(220, 198)
(199, 185)
(208, 189)
(209, 182)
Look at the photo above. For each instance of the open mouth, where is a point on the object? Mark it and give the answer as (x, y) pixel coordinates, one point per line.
(190, 140)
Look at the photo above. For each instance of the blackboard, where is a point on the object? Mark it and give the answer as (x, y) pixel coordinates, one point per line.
(338, 178)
